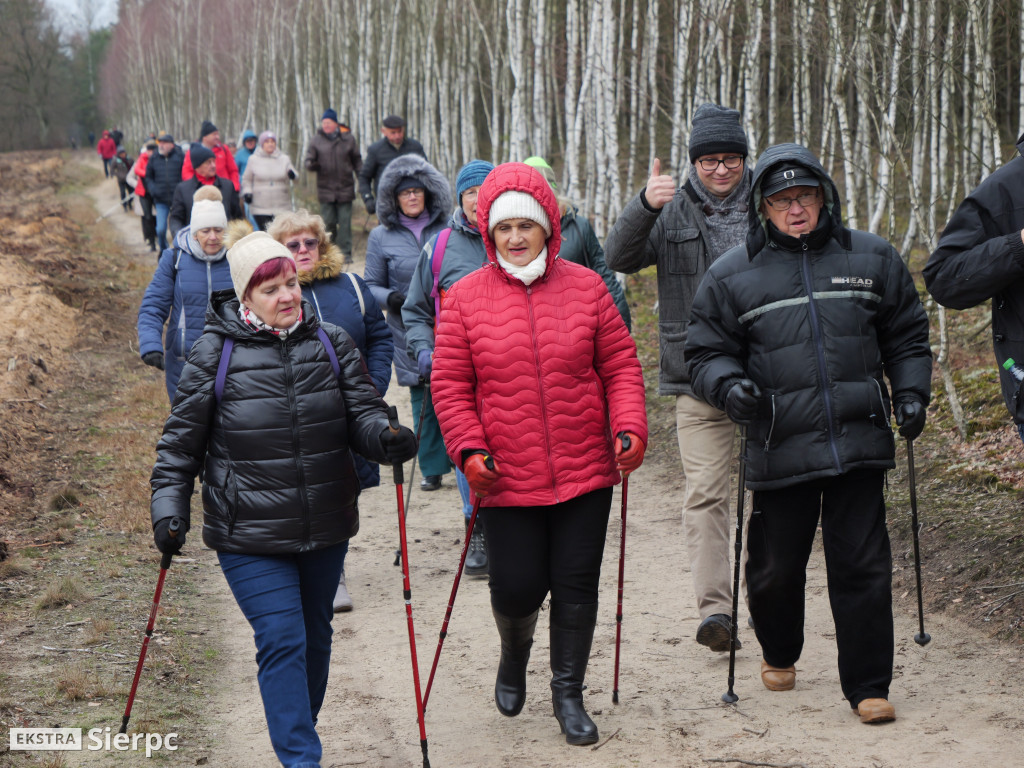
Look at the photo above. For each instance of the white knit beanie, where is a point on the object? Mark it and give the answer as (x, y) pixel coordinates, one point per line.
(517, 205)
(207, 209)
(207, 213)
(248, 253)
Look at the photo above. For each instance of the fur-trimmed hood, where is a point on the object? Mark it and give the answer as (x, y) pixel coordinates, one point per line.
(237, 229)
(439, 192)
(330, 264)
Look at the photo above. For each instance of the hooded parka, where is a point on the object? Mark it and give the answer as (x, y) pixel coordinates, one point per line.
(542, 376)
(392, 249)
(279, 475)
(817, 323)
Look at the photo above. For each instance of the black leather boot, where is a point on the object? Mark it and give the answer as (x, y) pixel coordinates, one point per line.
(572, 633)
(476, 557)
(516, 639)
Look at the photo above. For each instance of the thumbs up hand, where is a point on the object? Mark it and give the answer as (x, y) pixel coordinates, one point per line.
(660, 189)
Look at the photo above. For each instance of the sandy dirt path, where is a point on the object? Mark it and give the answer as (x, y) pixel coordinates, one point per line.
(958, 700)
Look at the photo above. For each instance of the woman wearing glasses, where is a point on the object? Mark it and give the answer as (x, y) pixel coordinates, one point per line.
(413, 204)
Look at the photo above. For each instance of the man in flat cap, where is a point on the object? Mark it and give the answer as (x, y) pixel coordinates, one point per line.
(394, 143)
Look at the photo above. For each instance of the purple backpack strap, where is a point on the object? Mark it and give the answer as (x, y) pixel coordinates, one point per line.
(330, 350)
(435, 267)
(222, 368)
(229, 344)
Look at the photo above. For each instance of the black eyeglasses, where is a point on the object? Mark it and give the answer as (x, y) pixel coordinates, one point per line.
(710, 164)
(805, 200)
(310, 242)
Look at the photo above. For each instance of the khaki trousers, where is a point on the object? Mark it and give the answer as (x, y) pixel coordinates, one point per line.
(706, 438)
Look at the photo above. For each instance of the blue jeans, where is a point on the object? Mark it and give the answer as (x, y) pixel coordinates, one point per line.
(288, 601)
(162, 212)
(467, 498)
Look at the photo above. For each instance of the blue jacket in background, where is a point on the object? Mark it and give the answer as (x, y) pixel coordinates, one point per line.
(163, 174)
(242, 154)
(179, 292)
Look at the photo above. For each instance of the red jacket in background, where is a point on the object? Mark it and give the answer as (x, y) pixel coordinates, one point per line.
(227, 168)
(140, 172)
(540, 376)
(106, 147)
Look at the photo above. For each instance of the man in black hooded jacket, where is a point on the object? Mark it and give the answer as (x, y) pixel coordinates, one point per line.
(790, 334)
(981, 256)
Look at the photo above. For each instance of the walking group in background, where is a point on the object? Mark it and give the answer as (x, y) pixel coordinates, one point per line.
(500, 310)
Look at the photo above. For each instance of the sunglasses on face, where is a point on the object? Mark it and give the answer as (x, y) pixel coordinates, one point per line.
(310, 243)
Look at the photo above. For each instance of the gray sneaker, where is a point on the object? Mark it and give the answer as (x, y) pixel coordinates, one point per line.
(342, 600)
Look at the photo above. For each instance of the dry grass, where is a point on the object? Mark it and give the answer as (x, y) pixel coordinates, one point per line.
(64, 591)
(14, 567)
(98, 630)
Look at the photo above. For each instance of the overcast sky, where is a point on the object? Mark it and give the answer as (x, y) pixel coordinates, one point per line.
(68, 13)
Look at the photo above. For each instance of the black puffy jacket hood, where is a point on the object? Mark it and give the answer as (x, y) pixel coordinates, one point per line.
(760, 233)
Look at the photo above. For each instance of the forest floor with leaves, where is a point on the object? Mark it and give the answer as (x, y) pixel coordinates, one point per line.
(81, 417)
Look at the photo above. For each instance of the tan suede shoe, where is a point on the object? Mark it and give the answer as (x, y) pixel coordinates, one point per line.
(776, 678)
(876, 711)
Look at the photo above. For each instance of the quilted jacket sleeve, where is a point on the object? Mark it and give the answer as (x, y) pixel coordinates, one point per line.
(156, 305)
(453, 381)
(619, 368)
(367, 412)
(418, 310)
(714, 343)
(182, 447)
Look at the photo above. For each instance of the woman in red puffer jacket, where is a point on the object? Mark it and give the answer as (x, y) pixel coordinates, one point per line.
(534, 368)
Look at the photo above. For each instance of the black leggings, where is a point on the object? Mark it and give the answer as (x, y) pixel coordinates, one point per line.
(531, 550)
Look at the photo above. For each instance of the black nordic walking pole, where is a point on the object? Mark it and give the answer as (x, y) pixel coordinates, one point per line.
(412, 474)
(407, 592)
(730, 697)
(921, 638)
(622, 571)
(489, 463)
(165, 563)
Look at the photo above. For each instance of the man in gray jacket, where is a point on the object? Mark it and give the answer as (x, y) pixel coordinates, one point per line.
(334, 156)
(682, 231)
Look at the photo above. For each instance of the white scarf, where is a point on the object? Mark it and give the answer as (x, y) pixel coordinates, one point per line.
(528, 272)
(248, 316)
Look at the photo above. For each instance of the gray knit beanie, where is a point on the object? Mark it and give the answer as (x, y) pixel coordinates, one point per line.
(716, 129)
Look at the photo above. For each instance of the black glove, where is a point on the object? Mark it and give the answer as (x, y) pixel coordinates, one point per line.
(741, 401)
(165, 542)
(910, 416)
(398, 446)
(156, 359)
(248, 198)
(395, 302)
(291, 174)
(371, 204)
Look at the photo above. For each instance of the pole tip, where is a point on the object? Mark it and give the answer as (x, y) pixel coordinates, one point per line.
(729, 697)
(615, 697)
(922, 638)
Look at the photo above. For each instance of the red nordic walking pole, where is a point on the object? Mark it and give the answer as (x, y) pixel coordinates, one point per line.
(408, 496)
(489, 462)
(165, 563)
(622, 572)
(407, 592)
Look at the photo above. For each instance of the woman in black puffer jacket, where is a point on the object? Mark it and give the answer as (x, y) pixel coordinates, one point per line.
(272, 419)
